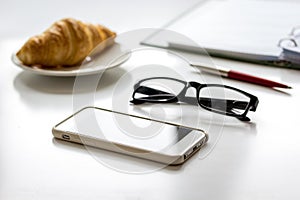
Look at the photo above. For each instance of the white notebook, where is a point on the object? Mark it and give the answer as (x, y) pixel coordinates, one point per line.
(247, 30)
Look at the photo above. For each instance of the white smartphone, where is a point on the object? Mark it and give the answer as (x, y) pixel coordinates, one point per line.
(132, 135)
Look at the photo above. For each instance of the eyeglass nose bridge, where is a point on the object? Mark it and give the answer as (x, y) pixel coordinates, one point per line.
(187, 86)
(194, 84)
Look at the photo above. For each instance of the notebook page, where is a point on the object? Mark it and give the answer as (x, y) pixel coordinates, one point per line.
(248, 26)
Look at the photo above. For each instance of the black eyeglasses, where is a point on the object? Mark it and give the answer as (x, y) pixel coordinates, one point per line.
(217, 98)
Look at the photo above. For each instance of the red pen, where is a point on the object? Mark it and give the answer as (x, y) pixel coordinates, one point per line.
(240, 76)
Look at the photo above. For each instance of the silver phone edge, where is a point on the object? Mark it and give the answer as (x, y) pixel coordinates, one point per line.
(176, 160)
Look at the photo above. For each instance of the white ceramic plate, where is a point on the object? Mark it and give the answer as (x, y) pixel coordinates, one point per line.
(88, 68)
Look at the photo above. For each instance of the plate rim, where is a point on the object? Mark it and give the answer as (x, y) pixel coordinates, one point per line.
(61, 73)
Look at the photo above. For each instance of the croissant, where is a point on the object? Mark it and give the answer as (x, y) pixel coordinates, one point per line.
(66, 43)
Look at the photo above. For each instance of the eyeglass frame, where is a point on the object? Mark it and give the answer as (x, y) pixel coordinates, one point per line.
(251, 106)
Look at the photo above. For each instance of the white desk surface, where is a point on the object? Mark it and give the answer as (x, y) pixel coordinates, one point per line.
(260, 160)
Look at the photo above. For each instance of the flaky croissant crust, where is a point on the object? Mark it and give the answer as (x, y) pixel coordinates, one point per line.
(66, 43)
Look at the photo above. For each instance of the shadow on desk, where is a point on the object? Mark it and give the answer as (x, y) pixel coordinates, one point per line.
(25, 81)
(57, 92)
(116, 161)
(215, 125)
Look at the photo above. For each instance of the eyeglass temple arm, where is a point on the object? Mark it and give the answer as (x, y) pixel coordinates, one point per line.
(158, 94)
(155, 94)
(150, 91)
(230, 104)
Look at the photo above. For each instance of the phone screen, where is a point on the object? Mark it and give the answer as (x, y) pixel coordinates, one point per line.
(126, 130)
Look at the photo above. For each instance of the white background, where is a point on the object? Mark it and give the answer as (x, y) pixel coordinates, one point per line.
(260, 160)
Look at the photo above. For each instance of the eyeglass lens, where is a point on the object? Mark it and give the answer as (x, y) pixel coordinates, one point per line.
(223, 100)
(159, 89)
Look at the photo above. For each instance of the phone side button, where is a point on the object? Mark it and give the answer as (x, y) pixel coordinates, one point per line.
(189, 152)
(66, 137)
